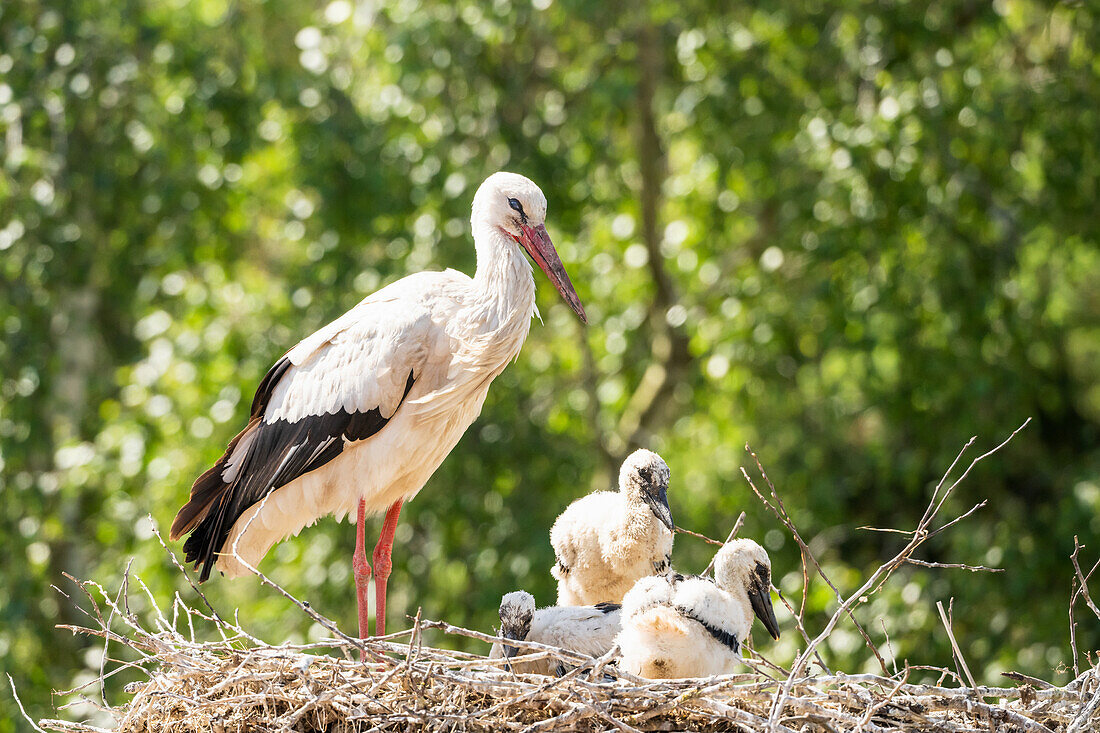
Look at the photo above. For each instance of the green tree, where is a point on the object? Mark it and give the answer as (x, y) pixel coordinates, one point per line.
(853, 235)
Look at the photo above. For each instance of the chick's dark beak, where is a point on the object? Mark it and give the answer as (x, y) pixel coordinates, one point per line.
(511, 651)
(658, 502)
(760, 597)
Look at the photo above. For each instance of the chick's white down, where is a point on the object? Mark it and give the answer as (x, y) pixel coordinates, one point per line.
(587, 630)
(688, 626)
(606, 541)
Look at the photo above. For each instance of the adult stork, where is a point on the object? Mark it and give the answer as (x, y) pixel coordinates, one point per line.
(360, 414)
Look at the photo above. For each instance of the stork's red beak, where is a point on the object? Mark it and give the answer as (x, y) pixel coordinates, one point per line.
(537, 243)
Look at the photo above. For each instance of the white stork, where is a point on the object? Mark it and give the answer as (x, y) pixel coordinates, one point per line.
(606, 541)
(690, 626)
(588, 630)
(359, 415)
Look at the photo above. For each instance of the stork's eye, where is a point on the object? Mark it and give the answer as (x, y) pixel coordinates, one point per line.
(516, 206)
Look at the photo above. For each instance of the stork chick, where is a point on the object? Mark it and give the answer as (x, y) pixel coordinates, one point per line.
(690, 626)
(587, 630)
(606, 541)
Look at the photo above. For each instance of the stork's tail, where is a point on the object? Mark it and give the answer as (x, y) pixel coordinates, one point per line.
(208, 489)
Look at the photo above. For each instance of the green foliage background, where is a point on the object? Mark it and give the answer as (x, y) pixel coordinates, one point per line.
(853, 234)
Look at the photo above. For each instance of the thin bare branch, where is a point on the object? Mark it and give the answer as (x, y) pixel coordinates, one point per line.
(1082, 578)
(780, 512)
(955, 646)
(957, 565)
(733, 533)
(19, 702)
(703, 537)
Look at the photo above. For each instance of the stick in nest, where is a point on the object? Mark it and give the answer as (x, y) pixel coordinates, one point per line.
(946, 619)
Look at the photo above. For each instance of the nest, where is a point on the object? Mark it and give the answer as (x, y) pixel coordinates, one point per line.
(239, 683)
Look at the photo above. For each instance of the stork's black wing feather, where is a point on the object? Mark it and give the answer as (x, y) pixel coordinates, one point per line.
(279, 452)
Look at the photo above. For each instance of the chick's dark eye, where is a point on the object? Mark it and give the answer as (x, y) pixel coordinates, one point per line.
(516, 205)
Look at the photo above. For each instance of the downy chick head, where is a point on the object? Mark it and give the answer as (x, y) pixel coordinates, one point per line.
(516, 611)
(743, 566)
(644, 478)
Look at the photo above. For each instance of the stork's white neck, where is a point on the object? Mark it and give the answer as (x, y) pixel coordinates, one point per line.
(504, 287)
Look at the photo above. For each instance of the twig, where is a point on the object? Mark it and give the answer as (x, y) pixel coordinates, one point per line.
(947, 525)
(973, 463)
(20, 704)
(961, 566)
(1078, 586)
(806, 551)
(971, 706)
(729, 538)
(183, 570)
(1021, 677)
(780, 512)
(866, 719)
(1086, 713)
(1073, 626)
(703, 537)
(65, 725)
(1082, 578)
(955, 646)
(890, 647)
(926, 517)
(887, 529)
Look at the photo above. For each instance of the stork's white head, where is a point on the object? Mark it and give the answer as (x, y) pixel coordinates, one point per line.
(743, 565)
(644, 478)
(516, 611)
(514, 205)
(493, 202)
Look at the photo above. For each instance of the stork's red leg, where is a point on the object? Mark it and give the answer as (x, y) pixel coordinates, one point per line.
(361, 570)
(382, 566)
